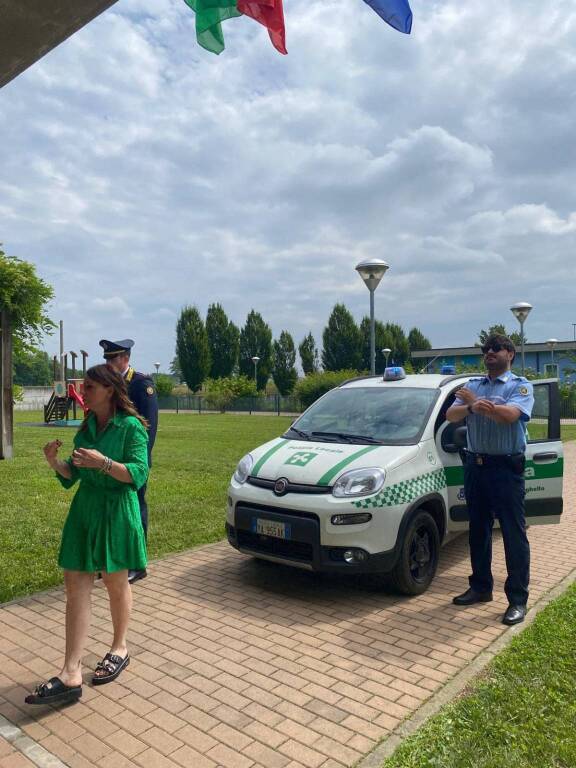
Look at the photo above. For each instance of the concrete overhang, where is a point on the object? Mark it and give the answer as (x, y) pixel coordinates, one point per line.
(29, 29)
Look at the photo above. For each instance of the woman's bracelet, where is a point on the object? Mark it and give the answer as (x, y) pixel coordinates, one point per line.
(106, 466)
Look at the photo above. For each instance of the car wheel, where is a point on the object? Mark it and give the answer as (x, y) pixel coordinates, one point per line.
(418, 559)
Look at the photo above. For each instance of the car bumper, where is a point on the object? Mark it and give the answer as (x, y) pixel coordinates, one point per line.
(302, 547)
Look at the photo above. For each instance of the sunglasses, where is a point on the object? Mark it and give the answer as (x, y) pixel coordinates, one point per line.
(493, 348)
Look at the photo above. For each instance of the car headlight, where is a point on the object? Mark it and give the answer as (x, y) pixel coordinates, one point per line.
(244, 468)
(359, 482)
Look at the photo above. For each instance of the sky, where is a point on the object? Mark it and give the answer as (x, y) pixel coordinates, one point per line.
(141, 173)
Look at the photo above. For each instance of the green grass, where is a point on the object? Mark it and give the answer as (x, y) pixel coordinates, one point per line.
(520, 714)
(194, 457)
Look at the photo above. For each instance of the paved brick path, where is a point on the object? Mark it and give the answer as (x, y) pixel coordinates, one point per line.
(239, 664)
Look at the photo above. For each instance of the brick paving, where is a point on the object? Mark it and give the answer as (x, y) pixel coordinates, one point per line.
(240, 664)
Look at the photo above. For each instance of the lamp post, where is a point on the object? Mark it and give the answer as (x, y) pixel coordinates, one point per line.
(386, 352)
(372, 271)
(255, 360)
(157, 366)
(521, 310)
(551, 343)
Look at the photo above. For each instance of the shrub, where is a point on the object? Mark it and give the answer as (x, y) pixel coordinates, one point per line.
(313, 386)
(164, 384)
(219, 393)
(17, 393)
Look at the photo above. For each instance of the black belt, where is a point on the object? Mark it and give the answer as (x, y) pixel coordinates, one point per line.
(513, 460)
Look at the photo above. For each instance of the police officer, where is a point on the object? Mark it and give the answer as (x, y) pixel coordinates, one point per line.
(497, 408)
(142, 392)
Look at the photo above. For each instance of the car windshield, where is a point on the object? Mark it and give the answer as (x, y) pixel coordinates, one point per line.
(387, 415)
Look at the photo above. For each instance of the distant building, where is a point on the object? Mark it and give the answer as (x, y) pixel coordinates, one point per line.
(538, 358)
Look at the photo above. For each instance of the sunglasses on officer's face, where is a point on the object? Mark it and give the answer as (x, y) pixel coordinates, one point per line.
(493, 348)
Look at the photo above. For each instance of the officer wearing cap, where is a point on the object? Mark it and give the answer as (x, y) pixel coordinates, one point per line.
(142, 392)
(497, 408)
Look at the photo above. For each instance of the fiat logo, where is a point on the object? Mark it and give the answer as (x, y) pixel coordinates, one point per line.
(280, 486)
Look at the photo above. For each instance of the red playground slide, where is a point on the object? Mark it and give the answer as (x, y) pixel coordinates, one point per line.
(73, 393)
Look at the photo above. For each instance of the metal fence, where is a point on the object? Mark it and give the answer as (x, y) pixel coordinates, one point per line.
(273, 404)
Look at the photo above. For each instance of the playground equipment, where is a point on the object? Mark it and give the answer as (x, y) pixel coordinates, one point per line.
(68, 392)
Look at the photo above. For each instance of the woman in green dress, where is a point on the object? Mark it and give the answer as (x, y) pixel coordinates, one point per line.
(103, 532)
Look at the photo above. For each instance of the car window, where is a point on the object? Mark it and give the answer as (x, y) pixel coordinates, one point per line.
(390, 415)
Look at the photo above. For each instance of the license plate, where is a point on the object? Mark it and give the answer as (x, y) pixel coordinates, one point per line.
(271, 528)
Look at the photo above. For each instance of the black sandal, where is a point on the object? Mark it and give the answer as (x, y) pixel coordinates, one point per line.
(54, 691)
(112, 665)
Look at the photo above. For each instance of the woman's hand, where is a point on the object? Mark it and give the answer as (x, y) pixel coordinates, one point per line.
(51, 451)
(87, 458)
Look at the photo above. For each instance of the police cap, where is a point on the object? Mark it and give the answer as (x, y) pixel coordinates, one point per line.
(115, 348)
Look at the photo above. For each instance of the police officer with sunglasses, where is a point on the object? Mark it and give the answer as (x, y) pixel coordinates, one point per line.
(497, 408)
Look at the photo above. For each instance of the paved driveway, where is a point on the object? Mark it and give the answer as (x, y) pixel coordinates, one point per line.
(241, 664)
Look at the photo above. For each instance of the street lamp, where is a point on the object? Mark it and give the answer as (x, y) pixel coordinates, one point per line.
(386, 352)
(157, 366)
(552, 343)
(372, 271)
(255, 360)
(521, 310)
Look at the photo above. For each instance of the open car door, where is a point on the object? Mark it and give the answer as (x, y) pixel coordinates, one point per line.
(544, 456)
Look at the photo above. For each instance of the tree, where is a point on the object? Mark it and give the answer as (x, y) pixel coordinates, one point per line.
(223, 339)
(381, 339)
(283, 363)
(192, 347)
(309, 354)
(23, 320)
(417, 341)
(32, 368)
(23, 295)
(397, 342)
(514, 336)
(175, 369)
(164, 384)
(342, 341)
(256, 341)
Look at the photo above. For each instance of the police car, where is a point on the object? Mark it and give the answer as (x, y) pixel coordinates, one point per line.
(369, 479)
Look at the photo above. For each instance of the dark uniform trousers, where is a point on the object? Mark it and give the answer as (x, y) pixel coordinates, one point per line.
(143, 509)
(496, 490)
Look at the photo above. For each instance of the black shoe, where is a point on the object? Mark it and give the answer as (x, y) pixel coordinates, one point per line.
(514, 614)
(470, 597)
(136, 575)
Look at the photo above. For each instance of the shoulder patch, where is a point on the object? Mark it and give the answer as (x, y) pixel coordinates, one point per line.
(149, 390)
(523, 390)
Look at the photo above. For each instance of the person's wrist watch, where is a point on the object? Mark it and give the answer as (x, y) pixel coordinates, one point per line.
(469, 408)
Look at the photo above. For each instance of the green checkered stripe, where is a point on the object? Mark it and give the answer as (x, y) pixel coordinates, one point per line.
(405, 491)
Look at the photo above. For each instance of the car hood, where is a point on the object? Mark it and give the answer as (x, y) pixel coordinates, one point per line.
(319, 463)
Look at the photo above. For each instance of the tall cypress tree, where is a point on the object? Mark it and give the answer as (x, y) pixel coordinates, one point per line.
(381, 340)
(342, 341)
(308, 354)
(223, 340)
(417, 340)
(284, 363)
(256, 341)
(192, 348)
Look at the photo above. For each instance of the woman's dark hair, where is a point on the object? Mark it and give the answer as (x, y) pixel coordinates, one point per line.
(108, 377)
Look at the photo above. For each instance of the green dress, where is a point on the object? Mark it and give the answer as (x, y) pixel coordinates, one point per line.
(103, 531)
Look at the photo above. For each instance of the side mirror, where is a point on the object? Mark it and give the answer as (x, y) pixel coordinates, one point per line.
(454, 438)
(460, 437)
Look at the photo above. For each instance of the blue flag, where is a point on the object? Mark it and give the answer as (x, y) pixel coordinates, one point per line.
(397, 13)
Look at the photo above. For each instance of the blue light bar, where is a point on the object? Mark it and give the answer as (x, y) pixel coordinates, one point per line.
(447, 370)
(394, 373)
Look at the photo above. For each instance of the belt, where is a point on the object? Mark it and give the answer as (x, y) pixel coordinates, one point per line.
(493, 460)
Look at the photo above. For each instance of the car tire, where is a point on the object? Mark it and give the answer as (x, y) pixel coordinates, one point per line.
(418, 557)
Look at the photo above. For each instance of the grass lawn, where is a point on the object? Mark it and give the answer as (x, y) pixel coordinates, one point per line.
(520, 714)
(194, 457)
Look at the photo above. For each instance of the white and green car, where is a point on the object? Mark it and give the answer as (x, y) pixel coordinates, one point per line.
(369, 479)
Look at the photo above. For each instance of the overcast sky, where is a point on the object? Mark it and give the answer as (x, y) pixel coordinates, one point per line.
(141, 173)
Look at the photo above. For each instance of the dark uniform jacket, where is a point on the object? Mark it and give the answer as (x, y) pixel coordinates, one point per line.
(142, 392)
